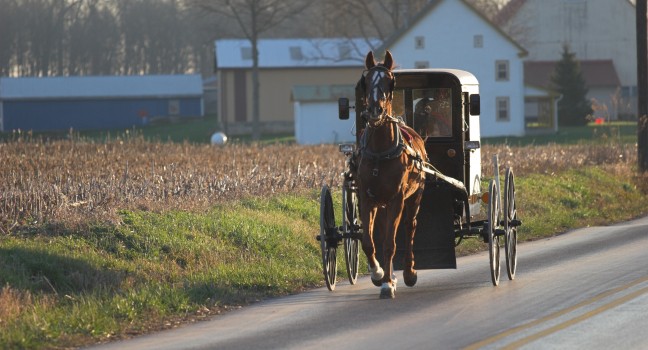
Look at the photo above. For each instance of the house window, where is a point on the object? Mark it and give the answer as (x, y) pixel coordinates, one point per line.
(419, 42)
(296, 53)
(478, 41)
(421, 64)
(246, 53)
(502, 70)
(502, 104)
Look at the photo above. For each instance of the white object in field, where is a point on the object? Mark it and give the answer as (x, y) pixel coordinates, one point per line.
(218, 138)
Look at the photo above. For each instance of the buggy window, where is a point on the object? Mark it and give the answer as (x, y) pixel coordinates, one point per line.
(398, 104)
(432, 112)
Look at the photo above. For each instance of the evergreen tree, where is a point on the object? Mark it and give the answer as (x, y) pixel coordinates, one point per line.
(568, 81)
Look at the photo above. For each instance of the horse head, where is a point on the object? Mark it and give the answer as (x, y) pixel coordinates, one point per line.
(378, 84)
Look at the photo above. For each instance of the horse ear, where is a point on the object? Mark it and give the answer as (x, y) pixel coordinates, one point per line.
(389, 60)
(370, 62)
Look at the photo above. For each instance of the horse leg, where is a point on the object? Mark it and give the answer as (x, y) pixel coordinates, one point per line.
(412, 205)
(390, 222)
(368, 216)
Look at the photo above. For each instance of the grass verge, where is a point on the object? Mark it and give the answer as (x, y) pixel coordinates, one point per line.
(617, 131)
(63, 288)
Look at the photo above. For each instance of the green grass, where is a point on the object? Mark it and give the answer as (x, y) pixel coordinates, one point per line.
(576, 198)
(623, 132)
(195, 130)
(154, 267)
(157, 269)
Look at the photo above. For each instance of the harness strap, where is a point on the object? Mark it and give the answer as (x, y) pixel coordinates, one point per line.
(430, 169)
(395, 151)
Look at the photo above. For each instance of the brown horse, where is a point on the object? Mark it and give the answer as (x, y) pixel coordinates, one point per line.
(390, 179)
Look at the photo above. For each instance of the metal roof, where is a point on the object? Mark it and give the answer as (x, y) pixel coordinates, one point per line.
(288, 53)
(101, 87)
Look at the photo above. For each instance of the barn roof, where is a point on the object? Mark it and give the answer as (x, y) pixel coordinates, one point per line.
(288, 53)
(101, 87)
(597, 73)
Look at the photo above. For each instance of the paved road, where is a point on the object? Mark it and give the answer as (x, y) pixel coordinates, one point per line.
(584, 290)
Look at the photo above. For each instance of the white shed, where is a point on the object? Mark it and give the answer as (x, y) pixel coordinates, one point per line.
(316, 114)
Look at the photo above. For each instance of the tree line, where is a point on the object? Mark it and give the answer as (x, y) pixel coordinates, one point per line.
(101, 37)
(126, 37)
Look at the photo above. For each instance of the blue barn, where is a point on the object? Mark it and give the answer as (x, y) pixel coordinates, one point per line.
(106, 102)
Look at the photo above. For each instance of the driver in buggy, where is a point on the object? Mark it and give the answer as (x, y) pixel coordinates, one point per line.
(432, 114)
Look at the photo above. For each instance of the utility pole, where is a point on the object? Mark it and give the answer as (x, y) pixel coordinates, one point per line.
(642, 86)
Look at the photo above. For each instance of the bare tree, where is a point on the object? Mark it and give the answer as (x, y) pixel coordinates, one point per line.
(376, 19)
(94, 39)
(101, 37)
(8, 28)
(366, 18)
(254, 17)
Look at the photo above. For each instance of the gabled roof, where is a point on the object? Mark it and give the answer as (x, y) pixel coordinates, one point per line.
(286, 53)
(597, 73)
(429, 8)
(507, 12)
(101, 86)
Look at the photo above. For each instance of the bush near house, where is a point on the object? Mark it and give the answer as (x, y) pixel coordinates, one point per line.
(574, 107)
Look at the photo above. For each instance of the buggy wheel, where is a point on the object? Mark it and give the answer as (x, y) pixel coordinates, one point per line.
(350, 226)
(510, 229)
(327, 238)
(493, 237)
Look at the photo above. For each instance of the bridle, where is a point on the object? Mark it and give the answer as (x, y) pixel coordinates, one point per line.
(376, 115)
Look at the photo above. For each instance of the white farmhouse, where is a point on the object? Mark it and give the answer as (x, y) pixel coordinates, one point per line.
(453, 34)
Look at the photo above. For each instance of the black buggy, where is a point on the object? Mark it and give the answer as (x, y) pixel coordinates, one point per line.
(443, 106)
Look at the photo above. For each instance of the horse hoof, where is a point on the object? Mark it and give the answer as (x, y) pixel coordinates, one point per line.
(410, 278)
(387, 291)
(377, 274)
